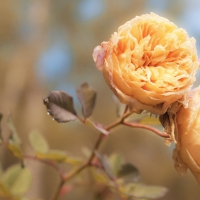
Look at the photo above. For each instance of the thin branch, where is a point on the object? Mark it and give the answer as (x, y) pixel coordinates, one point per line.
(71, 174)
(154, 130)
(80, 119)
(101, 166)
(62, 182)
(118, 122)
(98, 142)
(47, 162)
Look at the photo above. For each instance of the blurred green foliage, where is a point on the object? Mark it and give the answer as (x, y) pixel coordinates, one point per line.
(31, 28)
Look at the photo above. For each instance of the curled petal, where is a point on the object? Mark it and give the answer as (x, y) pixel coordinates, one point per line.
(188, 129)
(149, 63)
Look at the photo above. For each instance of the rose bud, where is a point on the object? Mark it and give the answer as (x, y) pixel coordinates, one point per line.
(149, 63)
(187, 152)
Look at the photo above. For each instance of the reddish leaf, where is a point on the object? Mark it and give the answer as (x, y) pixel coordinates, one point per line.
(99, 127)
(105, 164)
(60, 106)
(87, 97)
(65, 189)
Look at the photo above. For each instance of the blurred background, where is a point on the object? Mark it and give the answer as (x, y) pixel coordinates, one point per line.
(47, 45)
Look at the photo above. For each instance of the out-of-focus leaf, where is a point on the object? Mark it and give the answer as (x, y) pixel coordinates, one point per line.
(87, 97)
(119, 106)
(55, 155)
(99, 127)
(24, 198)
(116, 162)
(1, 138)
(99, 176)
(105, 163)
(60, 106)
(73, 160)
(15, 149)
(145, 191)
(4, 191)
(86, 151)
(150, 120)
(1, 169)
(17, 179)
(14, 135)
(58, 156)
(14, 142)
(128, 173)
(38, 142)
(22, 183)
(65, 189)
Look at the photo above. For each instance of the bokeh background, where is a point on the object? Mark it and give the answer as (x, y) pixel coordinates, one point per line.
(47, 45)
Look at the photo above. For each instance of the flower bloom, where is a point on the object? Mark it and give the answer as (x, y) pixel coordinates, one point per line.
(149, 63)
(187, 152)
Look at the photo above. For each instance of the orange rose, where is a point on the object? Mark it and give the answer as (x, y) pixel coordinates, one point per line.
(187, 152)
(149, 63)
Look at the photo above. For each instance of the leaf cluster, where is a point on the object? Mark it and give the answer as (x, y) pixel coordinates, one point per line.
(112, 172)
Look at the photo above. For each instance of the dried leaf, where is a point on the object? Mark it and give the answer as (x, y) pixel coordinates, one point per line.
(60, 106)
(38, 142)
(99, 127)
(116, 162)
(87, 97)
(128, 172)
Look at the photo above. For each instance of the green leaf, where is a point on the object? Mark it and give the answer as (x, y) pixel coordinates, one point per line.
(150, 120)
(22, 183)
(38, 142)
(14, 135)
(87, 152)
(87, 97)
(105, 164)
(97, 174)
(128, 173)
(58, 156)
(15, 149)
(60, 106)
(17, 179)
(73, 160)
(55, 155)
(14, 142)
(145, 191)
(98, 127)
(116, 162)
